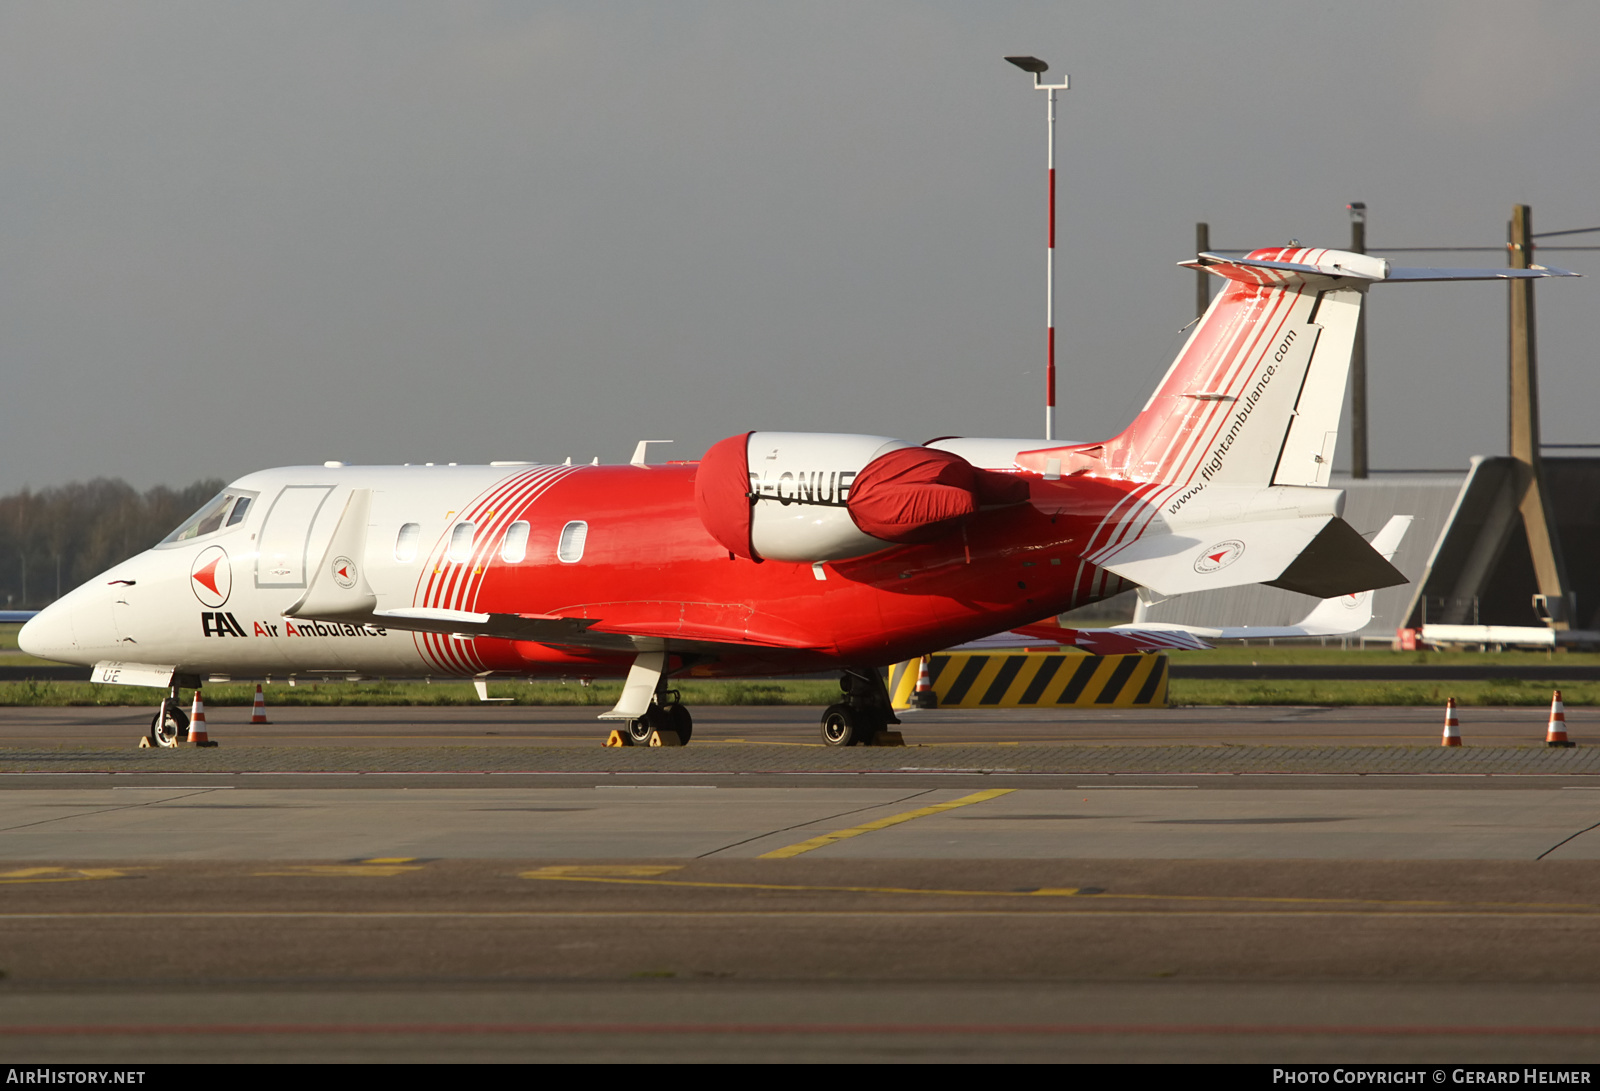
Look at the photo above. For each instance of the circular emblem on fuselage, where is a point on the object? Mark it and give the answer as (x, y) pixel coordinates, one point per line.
(344, 572)
(1219, 556)
(211, 577)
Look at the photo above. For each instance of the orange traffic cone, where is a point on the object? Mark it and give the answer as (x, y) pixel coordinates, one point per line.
(197, 723)
(258, 713)
(924, 696)
(1452, 728)
(1557, 733)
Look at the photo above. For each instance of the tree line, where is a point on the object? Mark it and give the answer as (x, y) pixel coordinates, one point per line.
(54, 539)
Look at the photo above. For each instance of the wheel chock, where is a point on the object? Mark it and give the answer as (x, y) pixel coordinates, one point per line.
(144, 743)
(887, 738)
(665, 738)
(618, 738)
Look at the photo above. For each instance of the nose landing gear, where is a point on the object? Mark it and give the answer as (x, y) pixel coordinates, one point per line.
(863, 717)
(170, 725)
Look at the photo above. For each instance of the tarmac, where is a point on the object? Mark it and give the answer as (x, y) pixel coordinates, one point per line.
(1265, 885)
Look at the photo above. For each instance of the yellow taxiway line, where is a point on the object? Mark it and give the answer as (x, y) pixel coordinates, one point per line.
(880, 824)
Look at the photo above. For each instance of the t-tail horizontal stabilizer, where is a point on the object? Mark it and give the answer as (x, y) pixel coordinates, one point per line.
(1342, 265)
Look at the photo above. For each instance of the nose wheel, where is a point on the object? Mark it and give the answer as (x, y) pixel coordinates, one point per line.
(170, 725)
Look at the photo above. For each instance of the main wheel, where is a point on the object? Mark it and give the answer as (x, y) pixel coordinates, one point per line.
(167, 726)
(679, 720)
(639, 730)
(841, 726)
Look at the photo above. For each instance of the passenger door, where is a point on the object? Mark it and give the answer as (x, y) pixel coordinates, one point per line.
(282, 561)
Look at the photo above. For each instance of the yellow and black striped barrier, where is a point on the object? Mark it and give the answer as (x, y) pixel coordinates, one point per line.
(1064, 679)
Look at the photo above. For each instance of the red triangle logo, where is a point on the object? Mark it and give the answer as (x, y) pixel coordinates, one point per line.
(343, 571)
(1216, 558)
(207, 576)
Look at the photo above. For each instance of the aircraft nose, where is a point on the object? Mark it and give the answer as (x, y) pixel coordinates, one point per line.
(76, 628)
(49, 635)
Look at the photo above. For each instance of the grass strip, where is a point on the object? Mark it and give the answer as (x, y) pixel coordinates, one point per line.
(600, 694)
(1490, 692)
(1310, 654)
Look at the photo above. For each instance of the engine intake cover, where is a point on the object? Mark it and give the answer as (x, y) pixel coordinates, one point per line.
(809, 497)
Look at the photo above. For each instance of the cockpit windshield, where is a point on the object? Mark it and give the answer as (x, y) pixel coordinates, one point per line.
(228, 508)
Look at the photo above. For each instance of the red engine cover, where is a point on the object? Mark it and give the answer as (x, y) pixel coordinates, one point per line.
(904, 496)
(721, 494)
(918, 494)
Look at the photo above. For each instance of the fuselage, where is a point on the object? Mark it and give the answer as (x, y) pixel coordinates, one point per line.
(621, 545)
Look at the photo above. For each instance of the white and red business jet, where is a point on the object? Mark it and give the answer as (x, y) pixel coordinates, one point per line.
(776, 552)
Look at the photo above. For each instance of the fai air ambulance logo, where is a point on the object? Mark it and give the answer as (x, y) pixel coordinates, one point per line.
(344, 572)
(1219, 556)
(210, 577)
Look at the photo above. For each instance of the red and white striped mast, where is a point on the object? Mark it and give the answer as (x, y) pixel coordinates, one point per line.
(1039, 68)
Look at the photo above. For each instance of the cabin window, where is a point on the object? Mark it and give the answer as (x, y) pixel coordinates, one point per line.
(405, 543)
(515, 546)
(460, 550)
(573, 536)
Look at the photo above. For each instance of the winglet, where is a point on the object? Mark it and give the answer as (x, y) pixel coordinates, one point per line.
(339, 583)
(1345, 614)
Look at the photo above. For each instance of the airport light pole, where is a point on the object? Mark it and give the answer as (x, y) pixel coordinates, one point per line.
(1039, 68)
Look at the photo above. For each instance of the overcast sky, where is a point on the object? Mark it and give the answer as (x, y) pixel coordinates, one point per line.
(242, 235)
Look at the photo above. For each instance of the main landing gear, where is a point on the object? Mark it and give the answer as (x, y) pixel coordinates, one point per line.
(863, 717)
(666, 713)
(648, 708)
(170, 725)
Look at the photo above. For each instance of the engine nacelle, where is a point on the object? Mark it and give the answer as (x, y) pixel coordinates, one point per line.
(808, 497)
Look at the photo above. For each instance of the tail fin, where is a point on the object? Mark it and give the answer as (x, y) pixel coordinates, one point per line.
(1255, 395)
